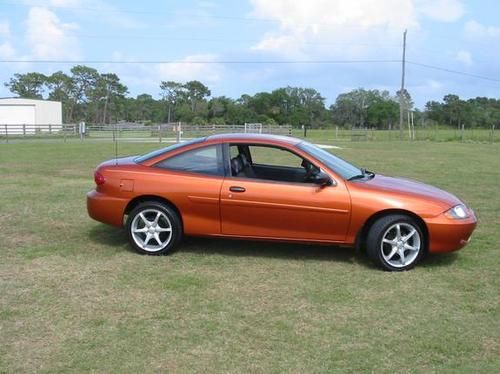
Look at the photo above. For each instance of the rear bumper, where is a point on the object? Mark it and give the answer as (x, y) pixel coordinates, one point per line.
(447, 235)
(106, 209)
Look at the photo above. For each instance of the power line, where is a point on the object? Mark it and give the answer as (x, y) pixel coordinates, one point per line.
(199, 61)
(250, 62)
(222, 40)
(182, 14)
(427, 66)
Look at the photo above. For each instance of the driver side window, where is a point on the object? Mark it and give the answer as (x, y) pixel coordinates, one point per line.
(274, 157)
(269, 163)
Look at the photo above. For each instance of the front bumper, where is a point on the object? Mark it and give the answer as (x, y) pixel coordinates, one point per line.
(447, 235)
(106, 209)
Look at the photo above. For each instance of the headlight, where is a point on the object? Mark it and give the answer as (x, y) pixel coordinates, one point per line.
(457, 212)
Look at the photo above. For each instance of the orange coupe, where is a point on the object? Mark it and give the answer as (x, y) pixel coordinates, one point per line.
(266, 187)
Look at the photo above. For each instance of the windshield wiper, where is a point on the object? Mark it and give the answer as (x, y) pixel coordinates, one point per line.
(370, 174)
(364, 174)
(358, 176)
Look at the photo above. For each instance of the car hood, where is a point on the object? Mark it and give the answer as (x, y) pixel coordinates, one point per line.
(412, 188)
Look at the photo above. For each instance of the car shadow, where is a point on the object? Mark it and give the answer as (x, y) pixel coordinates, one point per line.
(248, 248)
(438, 259)
(117, 238)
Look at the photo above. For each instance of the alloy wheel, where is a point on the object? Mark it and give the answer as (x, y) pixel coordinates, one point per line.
(151, 230)
(401, 244)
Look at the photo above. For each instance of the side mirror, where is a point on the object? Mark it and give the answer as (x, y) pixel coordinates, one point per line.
(322, 179)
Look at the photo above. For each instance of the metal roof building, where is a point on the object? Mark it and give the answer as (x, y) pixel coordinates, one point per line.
(28, 116)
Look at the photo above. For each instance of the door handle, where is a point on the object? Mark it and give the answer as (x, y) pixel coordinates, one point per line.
(237, 189)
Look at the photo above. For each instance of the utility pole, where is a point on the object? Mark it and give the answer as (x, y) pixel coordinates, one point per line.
(401, 91)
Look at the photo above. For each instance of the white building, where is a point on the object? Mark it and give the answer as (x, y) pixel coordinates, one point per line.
(28, 116)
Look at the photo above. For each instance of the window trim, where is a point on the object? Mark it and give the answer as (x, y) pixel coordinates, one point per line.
(332, 170)
(221, 171)
(166, 150)
(227, 165)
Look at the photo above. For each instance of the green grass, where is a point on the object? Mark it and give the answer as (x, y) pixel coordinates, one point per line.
(75, 298)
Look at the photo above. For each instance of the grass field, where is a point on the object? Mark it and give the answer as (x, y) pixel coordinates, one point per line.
(75, 298)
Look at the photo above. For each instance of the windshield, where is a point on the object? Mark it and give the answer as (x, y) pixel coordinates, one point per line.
(161, 151)
(339, 166)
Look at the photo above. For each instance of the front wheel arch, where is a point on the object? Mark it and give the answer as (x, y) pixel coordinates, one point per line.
(363, 232)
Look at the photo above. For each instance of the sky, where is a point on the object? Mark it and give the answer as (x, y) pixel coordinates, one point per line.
(283, 42)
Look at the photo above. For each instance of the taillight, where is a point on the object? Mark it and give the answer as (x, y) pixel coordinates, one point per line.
(99, 178)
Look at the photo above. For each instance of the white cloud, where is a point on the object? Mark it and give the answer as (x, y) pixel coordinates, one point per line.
(313, 15)
(147, 77)
(290, 44)
(465, 57)
(434, 85)
(48, 37)
(346, 28)
(7, 51)
(97, 11)
(4, 29)
(204, 69)
(52, 3)
(476, 30)
(442, 10)
(428, 88)
(351, 28)
(64, 3)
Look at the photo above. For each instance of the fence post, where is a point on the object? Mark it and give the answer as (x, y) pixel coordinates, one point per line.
(462, 134)
(81, 129)
(159, 132)
(178, 133)
(64, 133)
(493, 133)
(24, 130)
(50, 129)
(6, 134)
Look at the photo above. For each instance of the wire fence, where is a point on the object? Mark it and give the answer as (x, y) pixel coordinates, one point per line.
(434, 133)
(168, 132)
(176, 132)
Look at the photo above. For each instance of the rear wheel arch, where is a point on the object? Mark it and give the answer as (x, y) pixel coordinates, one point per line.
(363, 232)
(151, 198)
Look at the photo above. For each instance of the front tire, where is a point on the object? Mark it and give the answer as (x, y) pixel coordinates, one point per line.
(395, 242)
(153, 228)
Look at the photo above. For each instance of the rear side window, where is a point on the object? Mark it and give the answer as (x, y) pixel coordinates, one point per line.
(205, 160)
(161, 151)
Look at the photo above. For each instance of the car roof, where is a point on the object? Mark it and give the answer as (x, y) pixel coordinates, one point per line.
(248, 137)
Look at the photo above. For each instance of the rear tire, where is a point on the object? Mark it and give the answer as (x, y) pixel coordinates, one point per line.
(395, 242)
(153, 228)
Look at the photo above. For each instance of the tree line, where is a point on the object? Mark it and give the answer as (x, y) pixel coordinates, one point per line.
(94, 97)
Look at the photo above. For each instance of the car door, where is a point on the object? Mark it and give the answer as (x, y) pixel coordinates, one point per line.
(253, 207)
